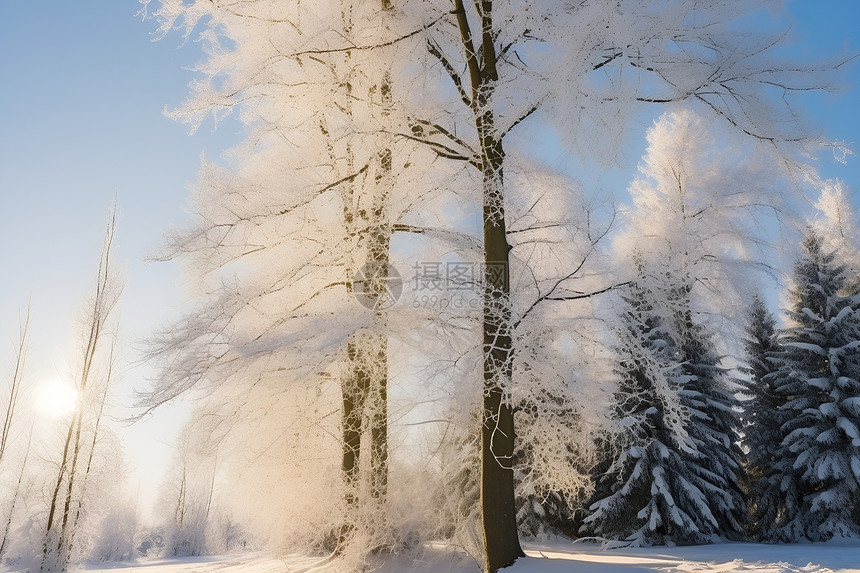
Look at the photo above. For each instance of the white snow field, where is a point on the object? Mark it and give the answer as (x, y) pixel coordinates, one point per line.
(551, 557)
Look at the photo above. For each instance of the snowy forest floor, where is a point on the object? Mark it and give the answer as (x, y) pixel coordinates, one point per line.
(550, 557)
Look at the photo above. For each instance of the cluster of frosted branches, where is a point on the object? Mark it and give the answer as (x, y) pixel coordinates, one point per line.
(376, 129)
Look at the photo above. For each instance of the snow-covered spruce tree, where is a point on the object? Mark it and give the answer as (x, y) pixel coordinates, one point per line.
(673, 479)
(691, 230)
(761, 420)
(644, 495)
(818, 375)
(710, 399)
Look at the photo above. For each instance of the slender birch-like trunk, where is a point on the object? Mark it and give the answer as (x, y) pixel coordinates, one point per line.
(59, 512)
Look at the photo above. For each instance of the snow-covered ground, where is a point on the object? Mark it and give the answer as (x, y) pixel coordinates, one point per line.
(553, 557)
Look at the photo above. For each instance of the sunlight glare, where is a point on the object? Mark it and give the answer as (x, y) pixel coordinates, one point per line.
(55, 399)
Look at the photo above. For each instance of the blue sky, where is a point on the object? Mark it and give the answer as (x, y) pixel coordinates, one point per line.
(83, 90)
(826, 28)
(81, 114)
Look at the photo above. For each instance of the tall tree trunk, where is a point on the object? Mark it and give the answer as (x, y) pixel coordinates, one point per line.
(501, 541)
(179, 513)
(50, 527)
(211, 488)
(15, 385)
(66, 522)
(76, 427)
(379, 257)
(365, 391)
(354, 391)
(91, 455)
(354, 382)
(106, 297)
(379, 422)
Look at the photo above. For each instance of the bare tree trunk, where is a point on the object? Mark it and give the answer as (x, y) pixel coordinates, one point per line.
(354, 382)
(354, 392)
(379, 257)
(379, 423)
(211, 488)
(106, 297)
(9, 418)
(365, 389)
(181, 505)
(501, 541)
(63, 541)
(102, 402)
(50, 528)
(179, 515)
(15, 385)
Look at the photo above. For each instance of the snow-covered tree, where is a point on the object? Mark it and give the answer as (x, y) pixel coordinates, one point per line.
(94, 371)
(691, 228)
(643, 492)
(459, 495)
(818, 376)
(12, 396)
(298, 228)
(699, 209)
(466, 83)
(14, 501)
(507, 63)
(710, 398)
(837, 225)
(114, 540)
(670, 475)
(10, 430)
(762, 419)
(549, 472)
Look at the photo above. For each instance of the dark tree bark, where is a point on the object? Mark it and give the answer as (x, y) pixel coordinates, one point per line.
(379, 251)
(501, 541)
(354, 391)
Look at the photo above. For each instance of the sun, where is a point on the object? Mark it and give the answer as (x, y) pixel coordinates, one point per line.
(55, 398)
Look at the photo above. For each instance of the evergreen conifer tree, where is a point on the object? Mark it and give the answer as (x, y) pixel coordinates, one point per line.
(818, 463)
(762, 419)
(645, 495)
(675, 478)
(709, 396)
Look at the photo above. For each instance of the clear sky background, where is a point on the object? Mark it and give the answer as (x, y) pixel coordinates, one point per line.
(82, 91)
